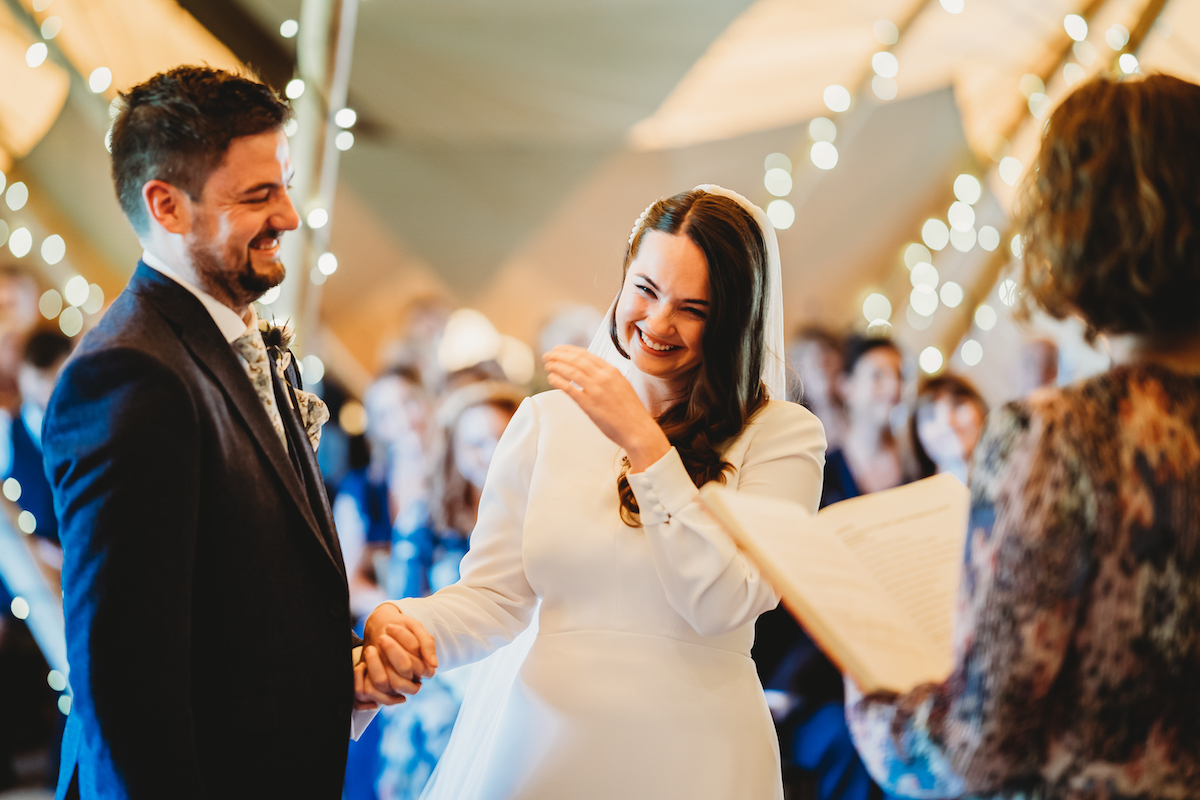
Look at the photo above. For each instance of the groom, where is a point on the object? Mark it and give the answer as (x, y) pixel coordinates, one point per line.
(208, 625)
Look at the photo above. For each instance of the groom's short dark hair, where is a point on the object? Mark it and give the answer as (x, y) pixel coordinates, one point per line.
(177, 126)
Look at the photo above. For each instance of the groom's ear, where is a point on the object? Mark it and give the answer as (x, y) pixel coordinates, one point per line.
(167, 205)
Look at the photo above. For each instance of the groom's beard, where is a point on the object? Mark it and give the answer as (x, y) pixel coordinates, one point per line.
(232, 276)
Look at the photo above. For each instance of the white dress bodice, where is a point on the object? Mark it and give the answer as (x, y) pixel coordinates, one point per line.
(639, 683)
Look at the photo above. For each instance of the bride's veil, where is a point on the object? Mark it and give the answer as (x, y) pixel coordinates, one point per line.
(463, 767)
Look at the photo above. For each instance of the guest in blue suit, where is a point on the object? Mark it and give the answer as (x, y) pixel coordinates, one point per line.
(207, 617)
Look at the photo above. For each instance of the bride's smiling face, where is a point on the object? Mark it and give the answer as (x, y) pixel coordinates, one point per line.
(664, 303)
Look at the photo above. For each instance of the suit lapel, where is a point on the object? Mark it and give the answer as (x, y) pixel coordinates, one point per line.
(203, 339)
(305, 461)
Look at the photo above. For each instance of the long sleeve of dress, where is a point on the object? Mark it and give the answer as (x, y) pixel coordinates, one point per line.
(492, 602)
(707, 580)
(1025, 569)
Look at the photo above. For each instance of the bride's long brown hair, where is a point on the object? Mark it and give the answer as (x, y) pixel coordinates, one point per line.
(727, 387)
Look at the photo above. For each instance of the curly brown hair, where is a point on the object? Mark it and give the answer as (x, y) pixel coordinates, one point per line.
(1111, 211)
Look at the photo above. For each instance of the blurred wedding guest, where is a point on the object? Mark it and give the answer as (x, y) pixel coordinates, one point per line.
(869, 459)
(426, 557)
(814, 357)
(1078, 620)
(803, 687)
(43, 359)
(393, 484)
(18, 316)
(946, 424)
(422, 323)
(1037, 366)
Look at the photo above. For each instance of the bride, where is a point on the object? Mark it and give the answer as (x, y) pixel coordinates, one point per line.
(638, 681)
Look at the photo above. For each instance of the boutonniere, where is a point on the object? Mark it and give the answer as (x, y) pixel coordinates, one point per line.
(278, 339)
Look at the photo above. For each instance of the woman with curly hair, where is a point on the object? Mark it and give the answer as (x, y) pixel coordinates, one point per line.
(1078, 627)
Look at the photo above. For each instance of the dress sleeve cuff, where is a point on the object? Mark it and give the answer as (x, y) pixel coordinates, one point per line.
(664, 489)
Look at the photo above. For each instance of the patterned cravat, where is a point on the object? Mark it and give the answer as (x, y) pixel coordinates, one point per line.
(253, 354)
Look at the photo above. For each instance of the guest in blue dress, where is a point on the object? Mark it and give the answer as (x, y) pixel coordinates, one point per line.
(425, 557)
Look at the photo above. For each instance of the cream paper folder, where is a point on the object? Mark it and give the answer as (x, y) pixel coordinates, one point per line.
(873, 580)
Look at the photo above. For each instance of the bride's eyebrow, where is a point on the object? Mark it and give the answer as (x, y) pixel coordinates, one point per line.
(654, 286)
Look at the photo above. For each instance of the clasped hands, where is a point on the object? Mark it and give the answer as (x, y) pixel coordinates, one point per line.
(397, 654)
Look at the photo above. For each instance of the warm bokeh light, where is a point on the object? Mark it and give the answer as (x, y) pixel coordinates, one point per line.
(17, 196)
(100, 79)
(51, 305)
(824, 155)
(312, 369)
(20, 242)
(935, 234)
(968, 189)
(916, 253)
(781, 213)
(70, 321)
(951, 294)
(924, 300)
(931, 360)
(985, 317)
(1008, 292)
(76, 291)
(35, 56)
(989, 238)
(353, 418)
(778, 161)
(876, 306)
(289, 28)
(886, 32)
(1010, 170)
(923, 274)
(327, 263)
(837, 98)
(971, 352)
(294, 89)
(962, 241)
(1076, 27)
(778, 182)
(53, 249)
(822, 129)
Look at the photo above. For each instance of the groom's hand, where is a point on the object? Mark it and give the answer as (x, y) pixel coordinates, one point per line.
(398, 653)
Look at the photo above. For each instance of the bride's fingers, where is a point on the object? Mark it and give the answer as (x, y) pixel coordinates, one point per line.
(428, 645)
(568, 371)
(412, 647)
(559, 382)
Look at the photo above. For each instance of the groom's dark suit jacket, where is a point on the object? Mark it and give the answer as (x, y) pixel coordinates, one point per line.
(208, 623)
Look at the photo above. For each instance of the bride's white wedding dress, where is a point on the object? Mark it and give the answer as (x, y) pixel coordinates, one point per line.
(639, 683)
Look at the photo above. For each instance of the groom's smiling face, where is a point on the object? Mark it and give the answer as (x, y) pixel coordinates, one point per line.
(239, 217)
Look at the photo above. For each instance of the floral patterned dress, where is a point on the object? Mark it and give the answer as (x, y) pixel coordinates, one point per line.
(1078, 626)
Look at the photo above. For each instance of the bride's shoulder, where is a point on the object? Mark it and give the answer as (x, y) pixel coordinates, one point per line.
(555, 406)
(783, 420)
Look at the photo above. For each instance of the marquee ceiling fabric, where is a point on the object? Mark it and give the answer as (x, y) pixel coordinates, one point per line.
(506, 145)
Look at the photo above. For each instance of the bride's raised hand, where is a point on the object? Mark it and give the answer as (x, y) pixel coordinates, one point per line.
(604, 394)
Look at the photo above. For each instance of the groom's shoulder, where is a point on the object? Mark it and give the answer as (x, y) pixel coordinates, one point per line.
(132, 325)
